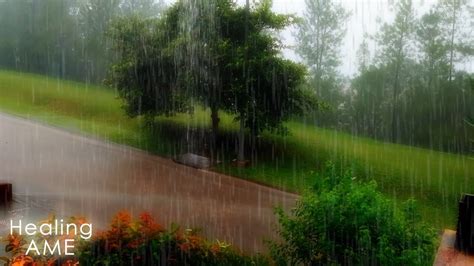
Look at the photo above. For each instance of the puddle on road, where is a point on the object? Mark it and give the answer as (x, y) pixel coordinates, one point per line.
(23, 208)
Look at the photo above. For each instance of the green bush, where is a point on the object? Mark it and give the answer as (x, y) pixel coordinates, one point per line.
(344, 221)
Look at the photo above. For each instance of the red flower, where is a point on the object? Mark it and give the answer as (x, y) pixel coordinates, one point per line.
(184, 247)
(122, 219)
(23, 260)
(15, 240)
(215, 249)
(148, 225)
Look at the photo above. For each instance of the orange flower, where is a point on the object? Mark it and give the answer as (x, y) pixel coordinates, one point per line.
(215, 249)
(22, 260)
(70, 263)
(146, 218)
(134, 243)
(119, 231)
(122, 219)
(195, 241)
(148, 224)
(51, 262)
(79, 220)
(184, 247)
(15, 240)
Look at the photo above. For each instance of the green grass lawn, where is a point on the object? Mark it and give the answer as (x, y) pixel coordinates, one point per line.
(434, 178)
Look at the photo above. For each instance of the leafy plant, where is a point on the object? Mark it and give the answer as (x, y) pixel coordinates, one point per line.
(343, 221)
(139, 241)
(145, 242)
(17, 246)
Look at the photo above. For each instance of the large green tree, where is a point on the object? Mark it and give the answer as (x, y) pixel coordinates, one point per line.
(265, 89)
(235, 64)
(149, 74)
(219, 53)
(205, 28)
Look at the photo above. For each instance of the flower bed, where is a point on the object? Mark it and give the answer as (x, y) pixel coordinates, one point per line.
(130, 241)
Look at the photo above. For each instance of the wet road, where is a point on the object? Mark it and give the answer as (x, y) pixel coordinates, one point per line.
(69, 174)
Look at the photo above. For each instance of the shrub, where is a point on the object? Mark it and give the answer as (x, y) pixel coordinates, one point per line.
(17, 245)
(144, 242)
(139, 241)
(343, 221)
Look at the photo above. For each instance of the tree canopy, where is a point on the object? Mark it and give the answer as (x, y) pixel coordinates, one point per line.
(222, 55)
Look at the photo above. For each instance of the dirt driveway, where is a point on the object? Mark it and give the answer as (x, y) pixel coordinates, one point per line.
(56, 171)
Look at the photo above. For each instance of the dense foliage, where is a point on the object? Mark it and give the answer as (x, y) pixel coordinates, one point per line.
(223, 55)
(64, 38)
(411, 93)
(144, 242)
(16, 247)
(343, 221)
(148, 73)
(411, 87)
(139, 241)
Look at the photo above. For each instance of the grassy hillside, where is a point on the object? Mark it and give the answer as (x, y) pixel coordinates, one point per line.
(434, 178)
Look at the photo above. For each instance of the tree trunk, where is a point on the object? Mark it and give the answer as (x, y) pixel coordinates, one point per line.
(394, 104)
(215, 127)
(215, 119)
(241, 155)
(396, 87)
(451, 56)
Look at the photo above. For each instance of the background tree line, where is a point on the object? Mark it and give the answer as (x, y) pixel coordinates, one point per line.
(408, 89)
(66, 38)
